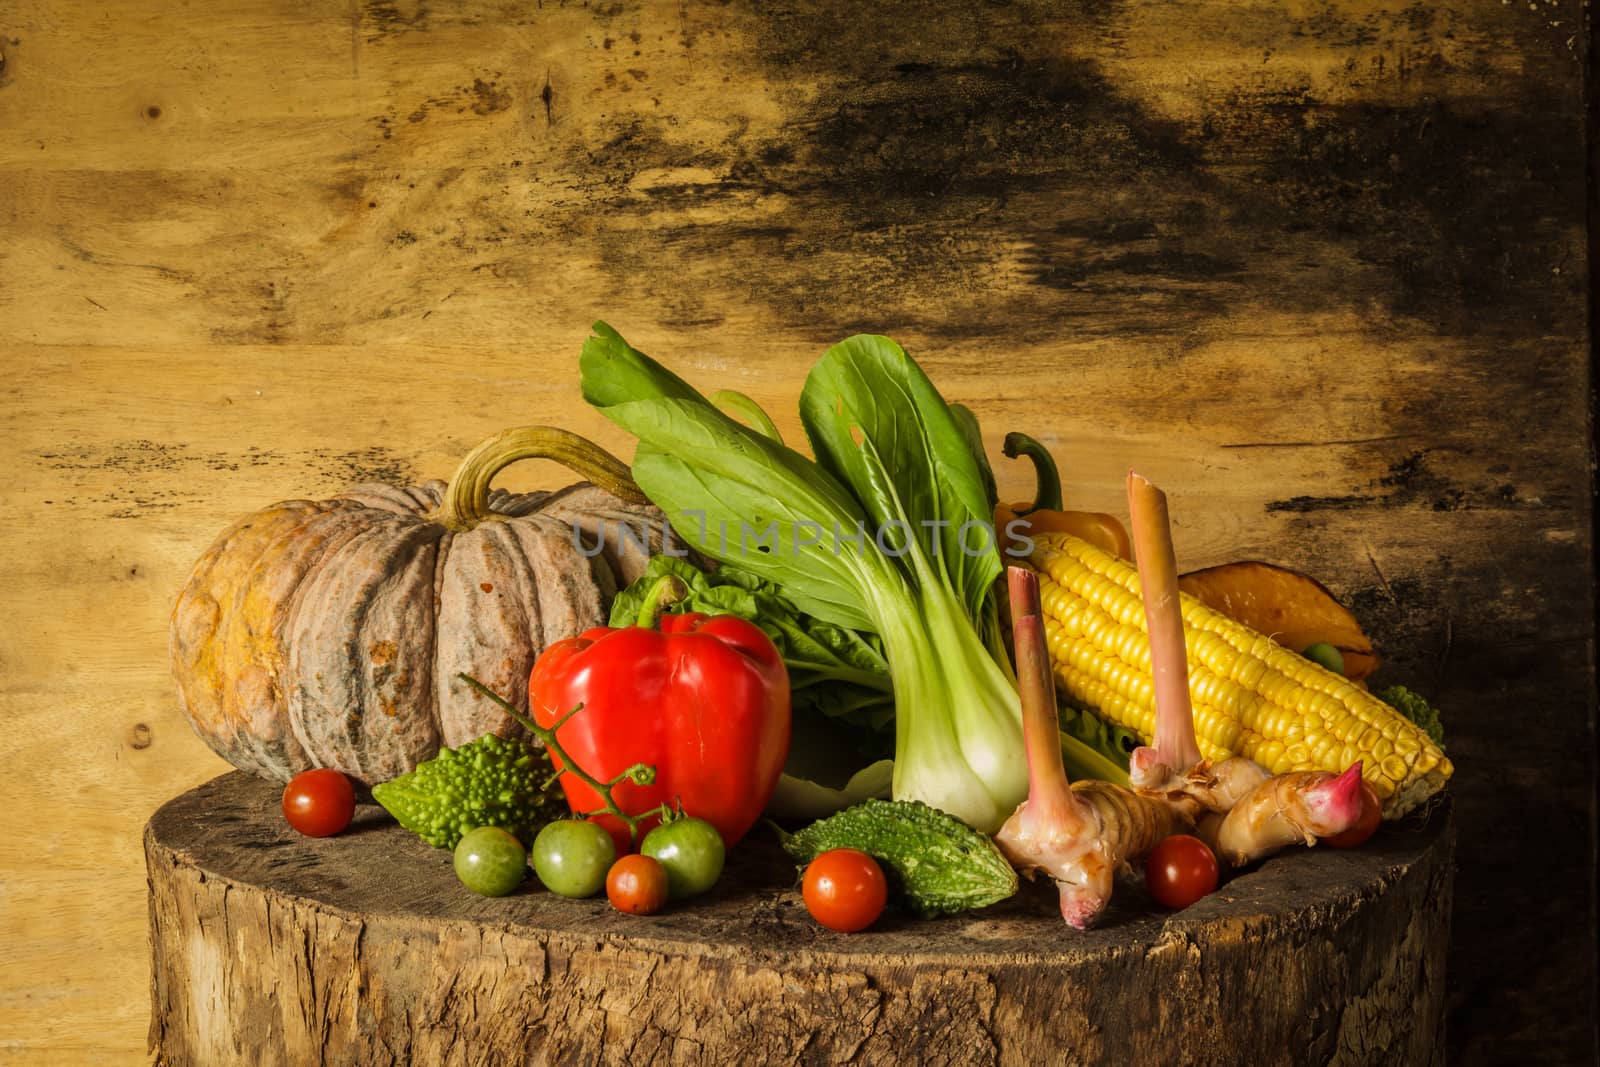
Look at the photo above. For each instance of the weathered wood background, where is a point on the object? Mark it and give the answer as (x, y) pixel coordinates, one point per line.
(1317, 267)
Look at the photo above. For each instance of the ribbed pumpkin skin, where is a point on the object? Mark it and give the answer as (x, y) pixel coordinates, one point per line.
(331, 633)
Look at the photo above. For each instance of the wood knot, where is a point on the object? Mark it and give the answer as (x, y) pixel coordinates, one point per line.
(139, 737)
(153, 112)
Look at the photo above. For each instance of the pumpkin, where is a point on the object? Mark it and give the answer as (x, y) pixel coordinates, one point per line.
(331, 633)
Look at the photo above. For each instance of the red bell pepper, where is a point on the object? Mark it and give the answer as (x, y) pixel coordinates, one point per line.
(703, 699)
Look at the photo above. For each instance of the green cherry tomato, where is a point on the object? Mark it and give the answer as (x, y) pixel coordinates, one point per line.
(490, 861)
(1325, 655)
(692, 852)
(571, 857)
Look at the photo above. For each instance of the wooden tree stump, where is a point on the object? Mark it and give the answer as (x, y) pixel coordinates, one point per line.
(271, 948)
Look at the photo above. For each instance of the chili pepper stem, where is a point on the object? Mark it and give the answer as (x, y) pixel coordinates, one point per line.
(638, 774)
(1047, 497)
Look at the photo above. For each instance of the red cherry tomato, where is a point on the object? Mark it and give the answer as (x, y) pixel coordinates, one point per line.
(1371, 813)
(845, 890)
(1180, 871)
(637, 884)
(319, 803)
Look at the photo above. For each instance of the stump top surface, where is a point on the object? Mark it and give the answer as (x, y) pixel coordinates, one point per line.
(232, 828)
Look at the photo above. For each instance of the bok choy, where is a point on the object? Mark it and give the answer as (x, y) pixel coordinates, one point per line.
(888, 531)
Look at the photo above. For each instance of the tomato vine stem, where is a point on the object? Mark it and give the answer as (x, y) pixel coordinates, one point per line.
(638, 774)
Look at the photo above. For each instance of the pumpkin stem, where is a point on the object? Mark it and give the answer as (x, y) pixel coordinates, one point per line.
(466, 498)
(1048, 495)
(667, 590)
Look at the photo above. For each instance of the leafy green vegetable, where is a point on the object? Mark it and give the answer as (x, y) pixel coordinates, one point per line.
(968, 422)
(938, 864)
(748, 411)
(487, 782)
(888, 532)
(878, 424)
(1414, 707)
(733, 492)
(1091, 747)
(802, 796)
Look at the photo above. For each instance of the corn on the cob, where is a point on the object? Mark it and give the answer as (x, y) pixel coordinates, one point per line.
(1252, 696)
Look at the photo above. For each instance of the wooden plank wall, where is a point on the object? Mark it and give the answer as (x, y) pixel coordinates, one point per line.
(1318, 267)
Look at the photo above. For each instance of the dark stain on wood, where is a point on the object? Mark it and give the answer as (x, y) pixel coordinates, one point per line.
(375, 464)
(911, 176)
(385, 18)
(1412, 482)
(133, 457)
(489, 97)
(87, 255)
(925, 154)
(140, 461)
(1434, 193)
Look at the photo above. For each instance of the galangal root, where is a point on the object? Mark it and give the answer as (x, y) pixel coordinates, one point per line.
(1297, 807)
(1242, 811)
(1082, 834)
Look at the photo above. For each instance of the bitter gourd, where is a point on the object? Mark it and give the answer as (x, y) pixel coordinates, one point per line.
(487, 782)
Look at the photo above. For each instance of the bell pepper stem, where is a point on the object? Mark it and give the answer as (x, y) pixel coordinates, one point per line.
(1047, 496)
(667, 590)
(638, 774)
(466, 497)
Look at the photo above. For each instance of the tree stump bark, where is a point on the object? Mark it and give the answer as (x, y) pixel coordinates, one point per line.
(270, 948)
